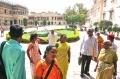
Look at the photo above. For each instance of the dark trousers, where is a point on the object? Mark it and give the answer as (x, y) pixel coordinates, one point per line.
(85, 63)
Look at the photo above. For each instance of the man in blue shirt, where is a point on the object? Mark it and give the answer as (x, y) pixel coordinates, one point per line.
(13, 54)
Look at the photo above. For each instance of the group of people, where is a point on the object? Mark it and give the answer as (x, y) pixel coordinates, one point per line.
(100, 50)
(54, 64)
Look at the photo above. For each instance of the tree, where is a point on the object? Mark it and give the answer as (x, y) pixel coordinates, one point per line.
(25, 22)
(118, 31)
(81, 19)
(49, 23)
(76, 14)
(95, 24)
(109, 29)
(115, 29)
(36, 22)
(105, 24)
(44, 22)
(100, 27)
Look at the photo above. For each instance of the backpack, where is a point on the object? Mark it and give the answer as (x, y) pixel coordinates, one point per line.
(2, 68)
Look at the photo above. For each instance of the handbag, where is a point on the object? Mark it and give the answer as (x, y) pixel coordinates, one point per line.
(79, 60)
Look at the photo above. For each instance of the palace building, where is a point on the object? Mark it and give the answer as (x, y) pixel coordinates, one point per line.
(104, 10)
(50, 18)
(12, 14)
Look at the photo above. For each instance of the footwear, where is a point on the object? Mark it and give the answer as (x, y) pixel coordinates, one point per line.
(82, 75)
(87, 73)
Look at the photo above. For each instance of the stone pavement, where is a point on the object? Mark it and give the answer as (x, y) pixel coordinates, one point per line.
(74, 68)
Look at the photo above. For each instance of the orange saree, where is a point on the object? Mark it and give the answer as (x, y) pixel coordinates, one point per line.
(42, 68)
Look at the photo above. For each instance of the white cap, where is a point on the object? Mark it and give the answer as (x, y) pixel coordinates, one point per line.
(90, 29)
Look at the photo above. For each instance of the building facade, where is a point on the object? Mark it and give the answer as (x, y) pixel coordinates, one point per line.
(106, 10)
(50, 18)
(12, 14)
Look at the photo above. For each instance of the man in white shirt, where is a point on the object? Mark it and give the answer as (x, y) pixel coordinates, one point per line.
(88, 45)
(52, 37)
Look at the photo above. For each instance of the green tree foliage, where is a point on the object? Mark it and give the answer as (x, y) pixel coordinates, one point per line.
(115, 29)
(115, 25)
(118, 31)
(105, 24)
(100, 27)
(36, 22)
(71, 19)
(25, 22)
(109, 29)
(95, 23)
(76, 14)
(73, 26)
(44, 22)
(49, 23)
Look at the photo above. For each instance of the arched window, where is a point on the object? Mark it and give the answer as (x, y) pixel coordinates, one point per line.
(5, 11)
(111, 14)
(104, 14)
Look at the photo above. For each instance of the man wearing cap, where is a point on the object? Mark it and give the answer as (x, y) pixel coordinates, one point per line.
(52, 37)
(111, 38)
(89, 45)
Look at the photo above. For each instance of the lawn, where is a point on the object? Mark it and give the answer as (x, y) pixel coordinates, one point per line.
(67, 32)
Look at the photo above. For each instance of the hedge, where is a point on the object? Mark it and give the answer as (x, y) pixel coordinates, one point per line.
(26, 37)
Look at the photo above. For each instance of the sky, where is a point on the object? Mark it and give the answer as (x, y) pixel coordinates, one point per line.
(51, 5)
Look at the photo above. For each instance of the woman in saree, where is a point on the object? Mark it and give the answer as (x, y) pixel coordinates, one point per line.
(63, 55)
(107, 64)
(100, 41)
(33, 53)
(43, 66)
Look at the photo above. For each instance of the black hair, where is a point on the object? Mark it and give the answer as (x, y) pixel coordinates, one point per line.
(32, 36)
(15, 31)
(48, 48)
(62, 35)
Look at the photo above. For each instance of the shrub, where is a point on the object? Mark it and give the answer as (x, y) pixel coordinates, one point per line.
(42, 34)
(115, 29)
(106, 23)
(100, 27)
(95, 23)
(109, 29)
(73, 26)
(70, 37)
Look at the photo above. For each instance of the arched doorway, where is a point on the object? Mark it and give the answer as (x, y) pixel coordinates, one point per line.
(11, 22)
(15, 21)
(59, 23)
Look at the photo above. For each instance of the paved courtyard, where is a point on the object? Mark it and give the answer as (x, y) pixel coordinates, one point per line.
(74, 68)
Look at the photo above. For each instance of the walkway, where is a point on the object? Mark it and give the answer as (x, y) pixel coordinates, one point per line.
(74, 68)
